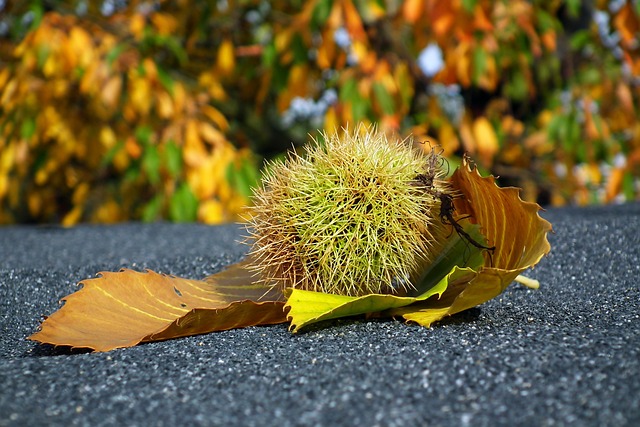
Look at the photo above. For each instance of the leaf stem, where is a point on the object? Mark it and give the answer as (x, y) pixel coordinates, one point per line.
(529, 283)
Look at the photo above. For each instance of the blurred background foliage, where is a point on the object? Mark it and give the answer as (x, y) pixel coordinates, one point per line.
(144, 110)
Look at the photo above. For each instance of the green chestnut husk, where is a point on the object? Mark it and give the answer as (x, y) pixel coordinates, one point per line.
(350, 216)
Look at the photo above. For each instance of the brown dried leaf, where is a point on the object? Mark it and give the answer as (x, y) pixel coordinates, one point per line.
(126, 308)
(513, 226)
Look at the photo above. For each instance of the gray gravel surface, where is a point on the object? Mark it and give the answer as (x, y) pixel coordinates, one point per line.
(566, 354)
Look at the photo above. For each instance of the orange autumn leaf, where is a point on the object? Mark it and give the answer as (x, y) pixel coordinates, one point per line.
(442, 16)
(412, 10)
(513, 226)
(352, 21)
(481, 21)
(126, 308)
(485, 139)
(614, 183)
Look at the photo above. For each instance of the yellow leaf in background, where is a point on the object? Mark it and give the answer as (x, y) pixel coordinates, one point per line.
(489, 79)
(466, 133)
(7, 95)
(121, 160)
(165, 24)
(194, 152)
(327, 50)
(164, 105)
(7, 156)
(79, 48)
(211, 212)
(594, 173)
(140, 96)
(111, 91)
(80, 194)
(4, 185)
(538, 143)
(210, 81)
(624, 95)
(371, 11)
(4, 77)
(359, 51)
(108, 212)
(34, 202)
(211, 135)
(226, 60)
(297, 85)
(52, 67)
(463, 64)
(72, 217)
(216, 117)
(179, 97)
(486, 140)
(150, 70)
(282, 39)
(448, 139)
(89, 78)
(136, 25)
(331, 119)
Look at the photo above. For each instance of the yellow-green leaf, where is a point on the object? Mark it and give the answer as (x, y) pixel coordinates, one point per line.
(307, 307)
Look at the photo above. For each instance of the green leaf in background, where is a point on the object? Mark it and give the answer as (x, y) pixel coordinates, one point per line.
(628, 185)
(28, 128)
(573, 6)
(580, 39)
(384, 99)
(269, 55)
(111, 153)
(165, 80)
(151, 163)
(350, 95)
(469, 5)
(143, 134)
(546, 21)
(172, 158)
(183, 206)
(243, 177)
(114, 53)
(321, 12)
(516, 87)
(300, 51)
(152, 210)
(479, 63)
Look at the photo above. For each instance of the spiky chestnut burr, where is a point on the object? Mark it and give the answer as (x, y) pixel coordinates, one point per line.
(352, 217)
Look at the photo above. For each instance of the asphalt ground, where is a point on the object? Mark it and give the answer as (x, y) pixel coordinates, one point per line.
(566, 354)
